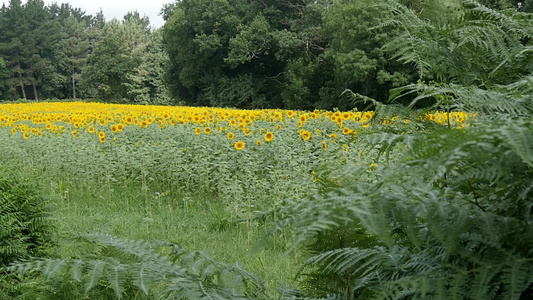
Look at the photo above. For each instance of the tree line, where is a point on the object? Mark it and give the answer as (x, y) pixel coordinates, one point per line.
(299, 54)
(58, 51)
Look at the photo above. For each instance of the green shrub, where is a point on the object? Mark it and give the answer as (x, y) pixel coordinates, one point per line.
(25, 227)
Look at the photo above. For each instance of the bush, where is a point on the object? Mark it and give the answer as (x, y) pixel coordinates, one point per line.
(25, 228)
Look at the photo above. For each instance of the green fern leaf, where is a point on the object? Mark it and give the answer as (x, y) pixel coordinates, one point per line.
(515, 278)
(53, 266)
(95, 271)
(77, 269)
(116, 275)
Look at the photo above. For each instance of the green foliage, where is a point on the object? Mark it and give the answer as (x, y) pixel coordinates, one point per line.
(450, 216)
(455, 224)
(25, 227)
(128, 267)
(472, 46)
(355, 50)
(46, 48)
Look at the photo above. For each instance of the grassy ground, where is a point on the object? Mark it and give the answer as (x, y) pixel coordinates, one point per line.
(200, 224)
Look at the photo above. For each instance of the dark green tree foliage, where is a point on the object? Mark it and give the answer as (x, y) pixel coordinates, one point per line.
(75, 46)
(233, 53)
(41, 49)
(126, 65)
(13, 25)
(46, 49)
(109, 65)
(4, 75)
(356, 52)
(32, 46)
(293, 54)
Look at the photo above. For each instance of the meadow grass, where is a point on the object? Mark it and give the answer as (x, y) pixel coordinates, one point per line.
(196, 224)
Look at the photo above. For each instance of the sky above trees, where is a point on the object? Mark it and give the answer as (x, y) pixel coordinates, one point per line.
(118, 8)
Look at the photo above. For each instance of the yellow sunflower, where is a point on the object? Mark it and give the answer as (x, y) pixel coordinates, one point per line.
(346, 130)
(239, 145)
(269, 136)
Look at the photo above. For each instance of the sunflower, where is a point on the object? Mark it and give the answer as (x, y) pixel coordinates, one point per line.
(258, 143)
(114, 128)
(230, 135)
(324, 145)
(346, 130)
(90, 129)
(306, 135)
(102, 139)
(239, 145)
(198, 131)
(346, 115)
(303, 118)
(26, 135)
(120, 126)
(101, 135)
(290, 114)
(269, 136)
(207, 130)
(13, 130)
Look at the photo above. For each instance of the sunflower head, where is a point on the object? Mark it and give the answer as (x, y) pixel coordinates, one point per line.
(346, 130)
(269, 136)
(239, 145)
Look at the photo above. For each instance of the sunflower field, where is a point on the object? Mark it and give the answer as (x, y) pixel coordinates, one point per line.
(248, 156)
(194, 175)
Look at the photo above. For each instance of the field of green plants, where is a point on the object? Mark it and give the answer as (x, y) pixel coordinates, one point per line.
(427, 200)
(140, 202)
(198, 177)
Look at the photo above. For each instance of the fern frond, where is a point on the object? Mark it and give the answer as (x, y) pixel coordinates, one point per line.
(117, 277)
(516, 278)
(95, 271)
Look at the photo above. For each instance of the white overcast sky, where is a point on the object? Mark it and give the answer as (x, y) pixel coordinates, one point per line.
(117, 8)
